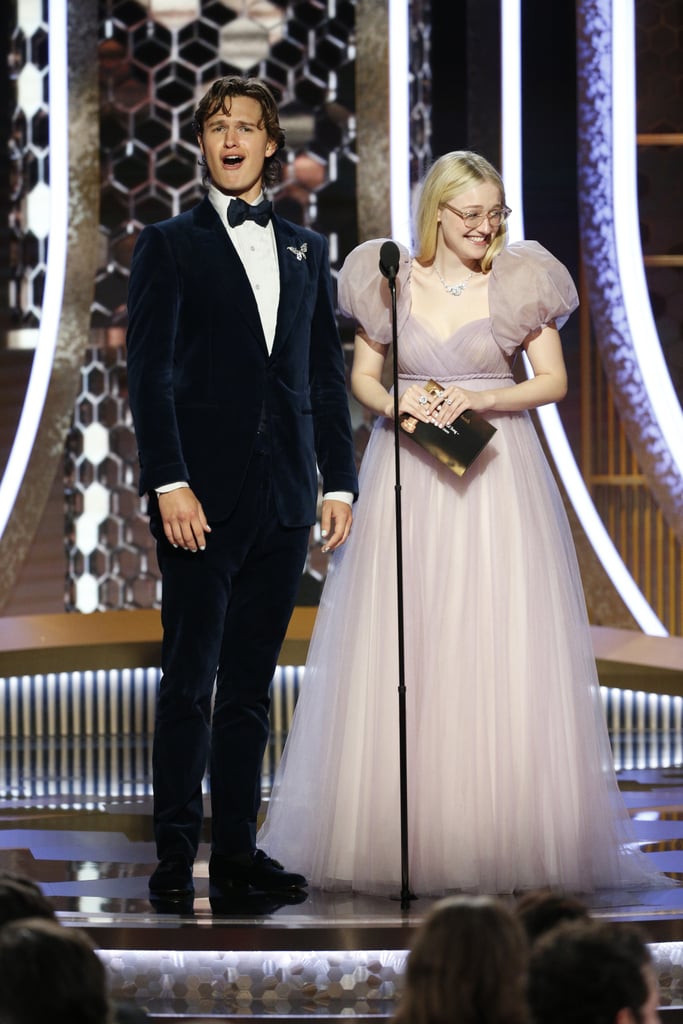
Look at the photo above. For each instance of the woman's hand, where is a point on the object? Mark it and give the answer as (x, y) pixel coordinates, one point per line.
(416, 402)
(452, 401)
(442, 407)
(549, 384)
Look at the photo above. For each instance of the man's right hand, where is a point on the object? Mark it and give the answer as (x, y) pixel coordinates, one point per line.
(184, 521)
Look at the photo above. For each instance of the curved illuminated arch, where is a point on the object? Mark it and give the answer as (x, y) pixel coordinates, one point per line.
(64, 333)
(644, 336)
(625, 331)
(36, 392)
(548, 415)
(399, 120)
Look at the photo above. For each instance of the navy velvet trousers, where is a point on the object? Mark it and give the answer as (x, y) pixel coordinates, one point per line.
(225, 613)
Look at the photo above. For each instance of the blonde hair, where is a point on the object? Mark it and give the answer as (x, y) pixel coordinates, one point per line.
(448, 176)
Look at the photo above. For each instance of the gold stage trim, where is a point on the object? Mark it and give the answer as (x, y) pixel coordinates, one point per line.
(71, 642)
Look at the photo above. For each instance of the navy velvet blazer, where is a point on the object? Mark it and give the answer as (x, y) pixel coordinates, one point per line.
(199, 372)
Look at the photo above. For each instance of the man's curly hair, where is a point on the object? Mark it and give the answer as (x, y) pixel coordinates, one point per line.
(219, 97)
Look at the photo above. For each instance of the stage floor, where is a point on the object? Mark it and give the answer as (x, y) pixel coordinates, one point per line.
(328, 955)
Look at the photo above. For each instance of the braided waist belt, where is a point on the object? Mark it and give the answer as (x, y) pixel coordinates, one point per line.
(455, 378)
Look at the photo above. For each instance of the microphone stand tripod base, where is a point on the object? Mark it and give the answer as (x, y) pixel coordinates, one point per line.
(405, 897)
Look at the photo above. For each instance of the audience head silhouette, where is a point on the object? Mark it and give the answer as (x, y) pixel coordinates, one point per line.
(543, 909)
(467, 965)
(50, 974)
(592, 972)
(21, 898)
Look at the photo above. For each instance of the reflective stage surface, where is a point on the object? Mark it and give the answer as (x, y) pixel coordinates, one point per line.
(327, 955)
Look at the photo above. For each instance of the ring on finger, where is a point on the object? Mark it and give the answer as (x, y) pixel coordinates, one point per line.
(449, 401)
(423, 399)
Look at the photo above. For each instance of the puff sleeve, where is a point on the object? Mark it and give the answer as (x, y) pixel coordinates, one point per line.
(364, 293)
(528, 289)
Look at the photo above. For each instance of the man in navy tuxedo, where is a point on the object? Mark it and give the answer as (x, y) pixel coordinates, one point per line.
(237, 389)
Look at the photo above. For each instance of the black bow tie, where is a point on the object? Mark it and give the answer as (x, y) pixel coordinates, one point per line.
(239, 211)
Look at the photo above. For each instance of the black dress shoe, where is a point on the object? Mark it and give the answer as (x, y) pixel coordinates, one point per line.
(172, 880)
(252, 870)
(233, 902)
(183, 907)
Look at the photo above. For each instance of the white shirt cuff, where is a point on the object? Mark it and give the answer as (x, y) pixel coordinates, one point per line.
(165, 488)
(346, 496)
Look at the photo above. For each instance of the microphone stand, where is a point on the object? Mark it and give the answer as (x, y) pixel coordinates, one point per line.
(390, 271)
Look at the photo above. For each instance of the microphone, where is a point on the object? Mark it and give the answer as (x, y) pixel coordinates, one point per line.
(389, 258)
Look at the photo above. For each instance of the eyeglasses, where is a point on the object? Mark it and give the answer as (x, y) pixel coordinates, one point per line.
(473, 218)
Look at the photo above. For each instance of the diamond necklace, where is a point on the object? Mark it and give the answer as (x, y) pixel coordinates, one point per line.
(454, 289)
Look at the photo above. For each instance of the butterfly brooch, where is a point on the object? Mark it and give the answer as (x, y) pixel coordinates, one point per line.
(299, 253)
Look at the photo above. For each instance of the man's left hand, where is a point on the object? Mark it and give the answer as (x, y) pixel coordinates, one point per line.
(335, 523)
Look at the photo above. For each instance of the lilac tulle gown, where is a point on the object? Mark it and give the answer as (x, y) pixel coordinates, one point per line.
(510, 777)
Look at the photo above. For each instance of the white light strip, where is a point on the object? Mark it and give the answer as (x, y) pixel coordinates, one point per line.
(511, 105)
(593, 525)
(511, 113)
(399, 122)
(41, 369)
(313, 965)
(652, 364)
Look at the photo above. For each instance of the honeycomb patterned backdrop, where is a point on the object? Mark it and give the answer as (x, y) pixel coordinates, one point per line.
(28, 154)
(156, 60)
(153, 69)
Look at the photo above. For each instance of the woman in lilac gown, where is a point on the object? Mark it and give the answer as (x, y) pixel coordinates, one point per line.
(510, 777)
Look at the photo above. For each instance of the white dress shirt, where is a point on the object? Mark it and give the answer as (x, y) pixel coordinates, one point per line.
(257, 250)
